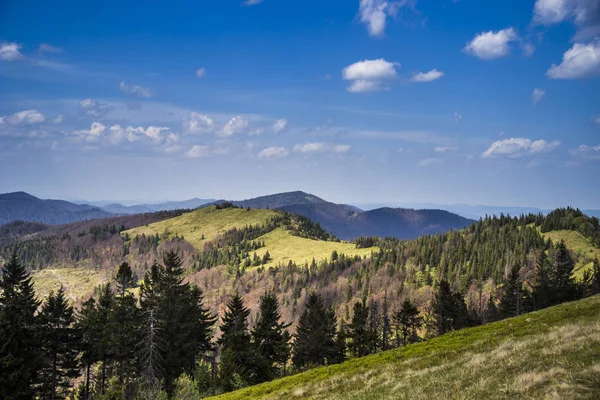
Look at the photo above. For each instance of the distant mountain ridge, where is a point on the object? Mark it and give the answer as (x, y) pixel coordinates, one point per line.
(21, 206)
(349, 222)
(120, 209)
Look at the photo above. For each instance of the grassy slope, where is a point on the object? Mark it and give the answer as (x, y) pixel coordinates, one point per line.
(553, 353)
(579, 244)
(78, 283)
(281, 244)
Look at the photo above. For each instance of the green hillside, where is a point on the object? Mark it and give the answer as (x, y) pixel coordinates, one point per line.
(579, 244)
(282, 245)
(553, 353)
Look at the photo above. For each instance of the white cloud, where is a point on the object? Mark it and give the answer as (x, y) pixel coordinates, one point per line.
(430, 161)
(580, 61)
(235, 125)
(516, 147)
(273, 152)
(584, 152)
(528, 49)
(26, 117)
(115, 134)
(198, 151)
(310, 147)
(369, 75)
(135, 90)
(46, 48)
(10, 51)
(58, 119)
(252, 2)
(443, 149)
(585, 14)
(172, 149)
(200, 72)
(198, 123)
(341, 148)
(374, 13)
(427, 76)
(94, 108)
(491, 45)
(96, 129)
(537, 95)
(279, 125)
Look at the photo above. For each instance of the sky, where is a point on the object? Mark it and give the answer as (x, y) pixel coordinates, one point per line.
(442, 101)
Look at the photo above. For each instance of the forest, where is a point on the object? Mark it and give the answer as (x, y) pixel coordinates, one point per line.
(165, 340)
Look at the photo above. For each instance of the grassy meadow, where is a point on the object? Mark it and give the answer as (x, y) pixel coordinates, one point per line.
(553, 354)
(578, 244)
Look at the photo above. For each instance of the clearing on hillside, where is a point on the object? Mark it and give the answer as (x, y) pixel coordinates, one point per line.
(552, 353)
(580, 245)
(282, 245)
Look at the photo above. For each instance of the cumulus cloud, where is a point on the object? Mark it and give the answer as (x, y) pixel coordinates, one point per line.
(580, 61)
(135, 90)
(46, 48)
(537, 95)
(341, 148)
(517, 147)
(279, 125)
(200, 72)
(369, 75)
(58, 119)
(26, 117)
(198, 151)
(196, 123)
(430, 161)
(585, 14)
(584, 152)
(10, 51)
(310, 147)
(273, 152)
(427, 76)
(374, 13)
(94, 108)
(235, 125)
(116, 134)
(443, 149)
(491, 45)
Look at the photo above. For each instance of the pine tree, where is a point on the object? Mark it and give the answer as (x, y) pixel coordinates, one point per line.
(443, 310)
(124, 278)
(512, 300)
(386, 325)
(564, 287)
(407, 321)
(104, 326)
(20, 354)
(86, 325)
(593, 281)
(59, 346)
(362, 337)
(235, 336)
(491, 313)
(541, 289)
(315, 342)
(270, 338)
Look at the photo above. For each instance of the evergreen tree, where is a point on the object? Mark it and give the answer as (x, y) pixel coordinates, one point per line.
(235, 336)
(124, 278)
(386, 325)
(315, 342)
(513, 301)
(592, 279)
(363, 338)
(103, 334)
(564, 287)
(270, 339)
(447, 310)
(59, 346)
(541, 289)
(407, 321)
(491, 313)
(86, 325)
(20, 353)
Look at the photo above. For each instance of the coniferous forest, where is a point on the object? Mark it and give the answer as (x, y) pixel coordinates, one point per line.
(166, 342)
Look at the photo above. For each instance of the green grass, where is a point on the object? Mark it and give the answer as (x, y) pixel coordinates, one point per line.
(208, 221)
(580, 245)
(78, 283)
(281, 244)
(553, 353)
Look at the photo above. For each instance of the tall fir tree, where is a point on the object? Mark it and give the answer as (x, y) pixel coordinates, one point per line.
(564, 287)
(407, 321)
(363, 338)
(59, 343)
(514, 299)
(447, 311)
(20, 353)
(270, 339)
(386, 325)
(235, 337)
(316, 341)
(541, 288)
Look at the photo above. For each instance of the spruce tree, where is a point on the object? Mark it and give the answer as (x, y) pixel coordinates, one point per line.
(386, 325)
(124, 278)
(407, 321)
(541, 288)
(86, 325)
(20, 353)
(59, 341)
(270, 339)
(443, 310)
(316, 342)
(564, 287)
(513, 300)
(362, 337)
(235, 337)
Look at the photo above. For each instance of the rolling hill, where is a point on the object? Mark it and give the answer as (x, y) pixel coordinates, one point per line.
(349, 222)
(117, 208)
(552, 353)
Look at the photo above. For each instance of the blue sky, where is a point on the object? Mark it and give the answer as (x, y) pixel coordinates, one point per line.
(442, 101)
